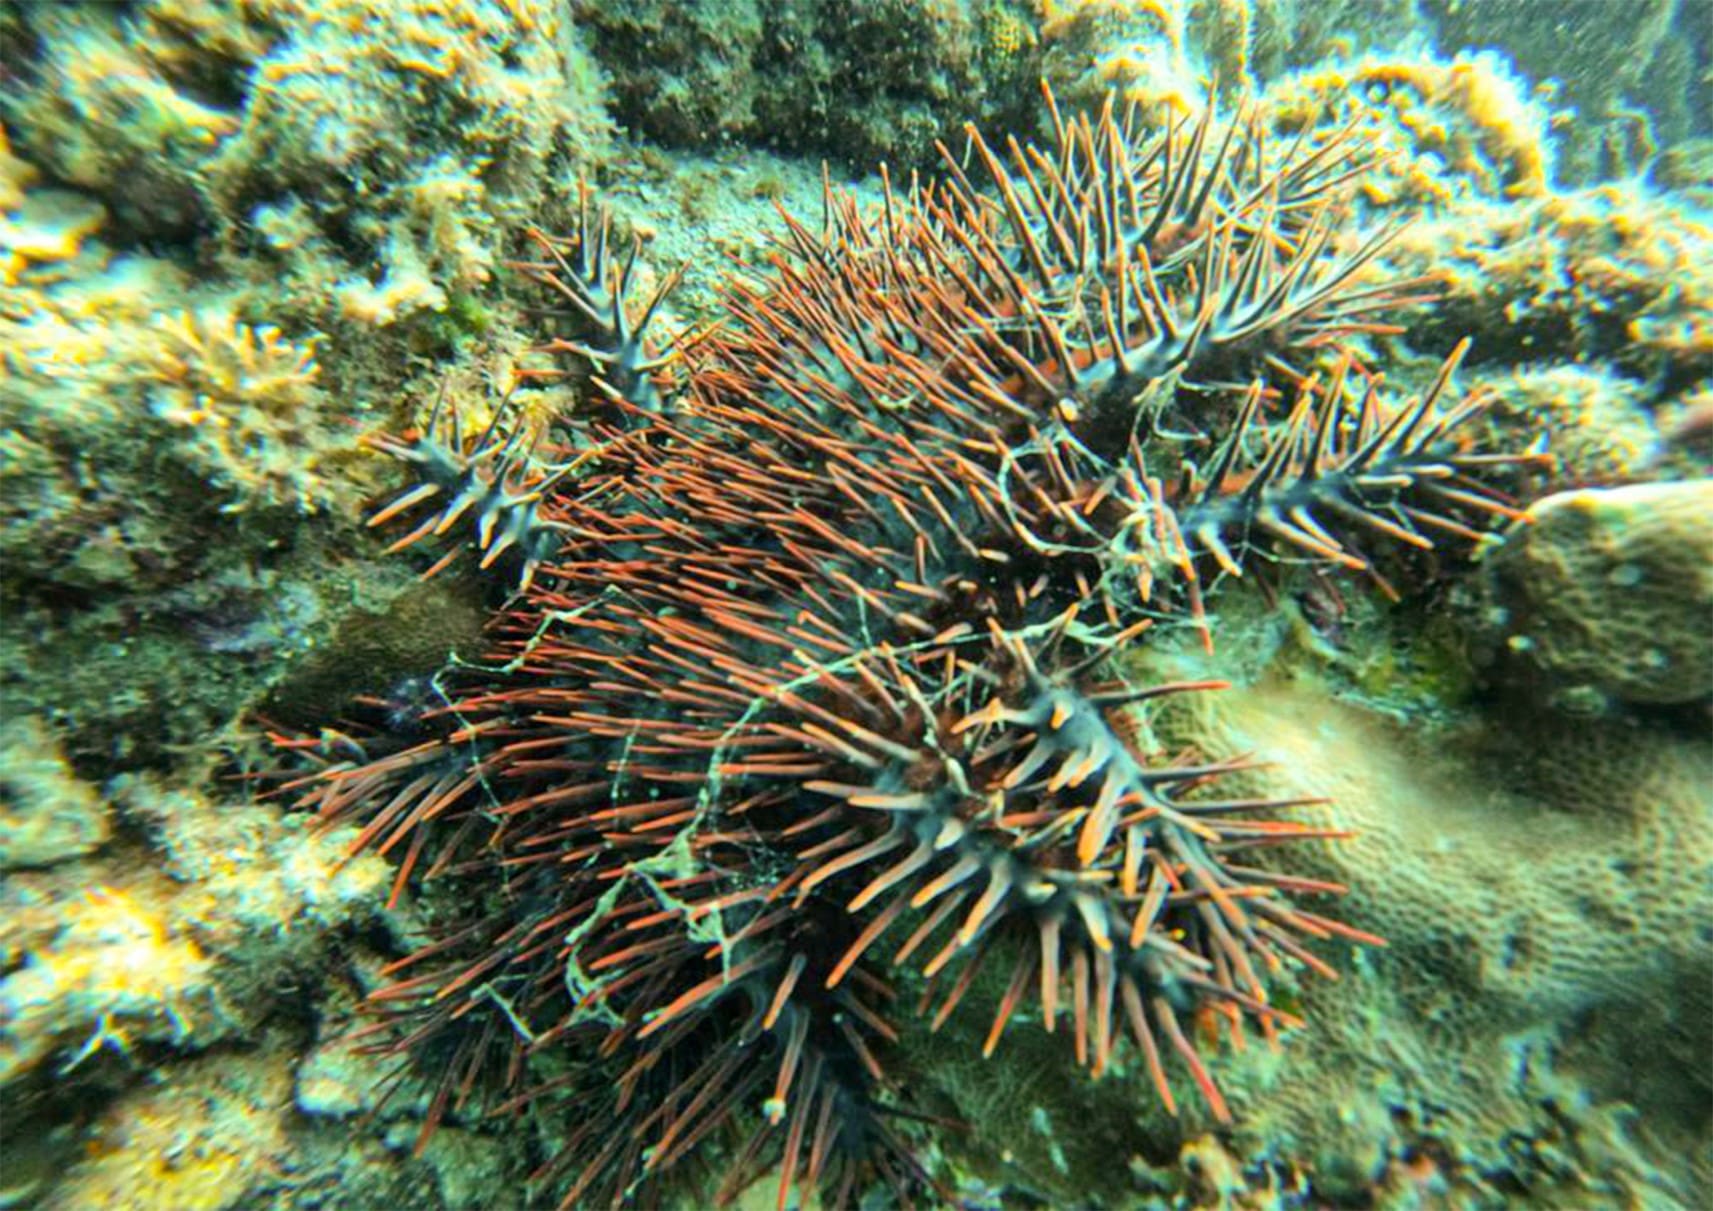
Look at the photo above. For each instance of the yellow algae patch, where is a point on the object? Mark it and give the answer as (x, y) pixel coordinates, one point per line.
(212, 1138)
(108, 953)
(45, 225)
(120, 970)
(1471, 113)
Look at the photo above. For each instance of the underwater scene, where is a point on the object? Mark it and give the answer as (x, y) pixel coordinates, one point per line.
(970, 604)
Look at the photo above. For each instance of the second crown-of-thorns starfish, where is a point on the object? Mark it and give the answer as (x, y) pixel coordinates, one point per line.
(809, 687)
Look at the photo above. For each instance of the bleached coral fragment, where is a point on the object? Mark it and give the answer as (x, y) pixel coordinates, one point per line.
(393, 298)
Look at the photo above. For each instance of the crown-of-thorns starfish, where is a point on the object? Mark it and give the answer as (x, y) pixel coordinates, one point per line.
(812, 687)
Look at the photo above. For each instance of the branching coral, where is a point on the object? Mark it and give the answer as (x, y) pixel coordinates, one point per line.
(244, 396)
(816, 656)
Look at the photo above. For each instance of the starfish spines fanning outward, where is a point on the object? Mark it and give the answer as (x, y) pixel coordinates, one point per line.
(814, 682)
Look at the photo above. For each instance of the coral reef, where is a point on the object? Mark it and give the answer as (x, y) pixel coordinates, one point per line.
(1539, 892)
(245, 394)
(249, 122)
(1158, 51)
(115, 974)
(156, 464)
(1492, 1052)
(1455, 119)
(1608, 592)
(1466, 124)
(116, 954)
(1598, 275)
(168, 408)
(1595, 420)
(1623, 91)
(1628, 90)
(235, 239)
(217, 1135)
(146, 1013)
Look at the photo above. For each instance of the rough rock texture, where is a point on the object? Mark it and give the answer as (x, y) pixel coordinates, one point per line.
(1612, 590)
(857, 82)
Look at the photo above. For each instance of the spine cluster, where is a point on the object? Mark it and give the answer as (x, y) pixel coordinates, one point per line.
(811, 693)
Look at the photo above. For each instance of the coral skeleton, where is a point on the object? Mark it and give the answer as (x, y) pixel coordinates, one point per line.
(813, 692)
